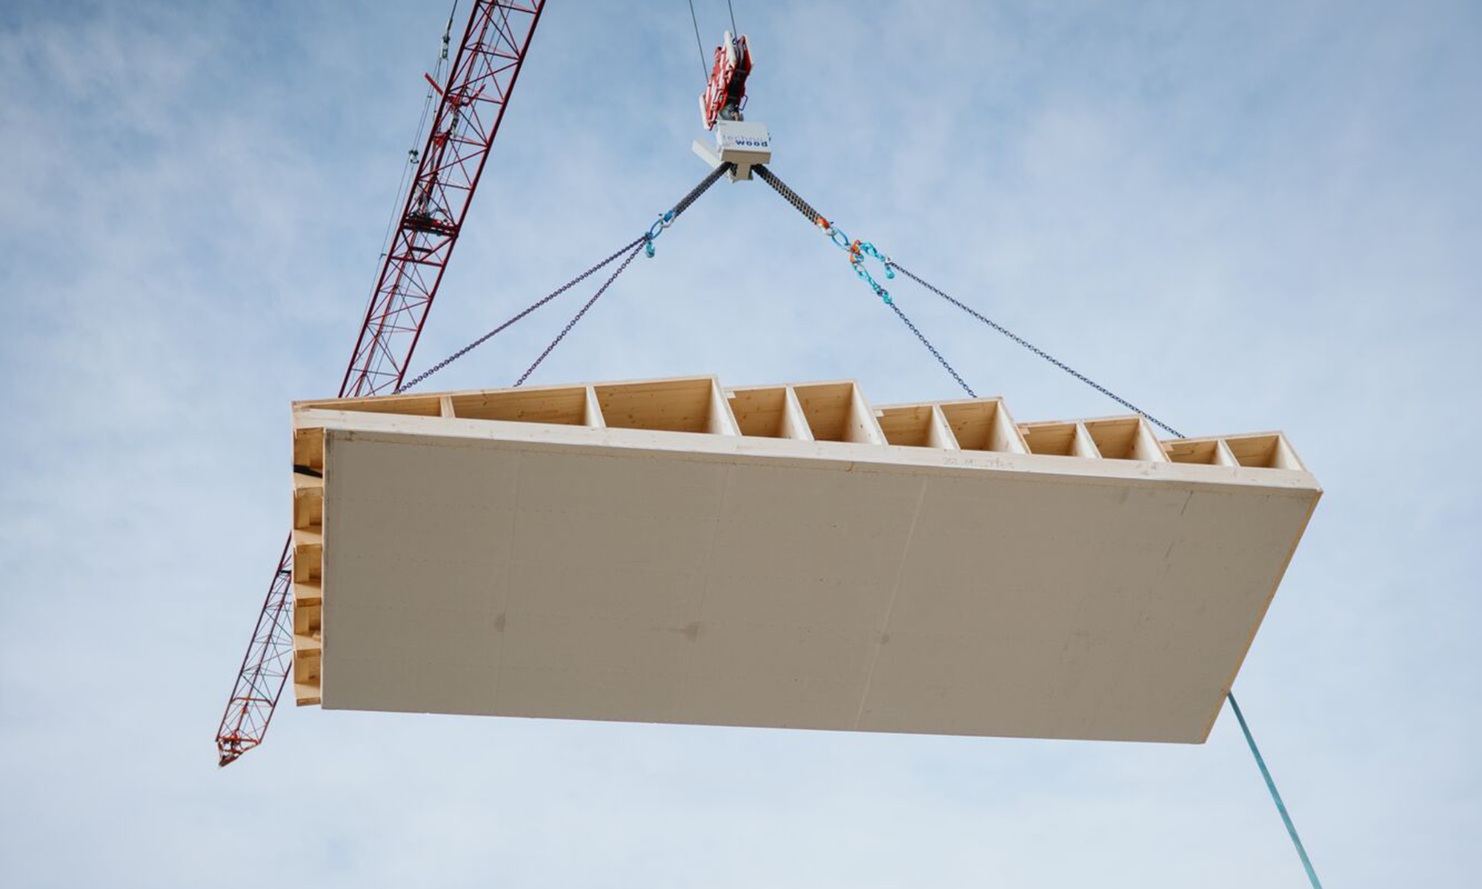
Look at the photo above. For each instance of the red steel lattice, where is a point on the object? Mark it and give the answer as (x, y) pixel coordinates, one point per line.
(469, 112)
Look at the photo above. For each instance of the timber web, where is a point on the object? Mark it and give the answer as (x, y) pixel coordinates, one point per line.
(859, 253)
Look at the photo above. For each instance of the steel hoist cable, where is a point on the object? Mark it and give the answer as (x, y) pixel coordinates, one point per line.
(858, 250)
(643, 242)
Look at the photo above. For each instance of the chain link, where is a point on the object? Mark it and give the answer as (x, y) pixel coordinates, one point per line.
(631, 248)
(632, 254)
(932, 349)
(704, 186)
(1041, 353)
(792, 197)
(527, 310)
(891, 266)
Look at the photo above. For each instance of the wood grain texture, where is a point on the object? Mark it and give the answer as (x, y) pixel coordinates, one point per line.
(946, 577)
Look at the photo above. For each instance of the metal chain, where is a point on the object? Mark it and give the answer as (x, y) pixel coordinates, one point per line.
(817, 219)
(813, 216)
(528, 309)
(792, 197)
(704, 186)
(667, 219)
(856, 250)
(643, 240)
(932, 349)
(632, 254)
(1038, 351)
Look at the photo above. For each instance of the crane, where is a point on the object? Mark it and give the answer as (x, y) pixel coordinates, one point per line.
(725, 93)
(478, 88)
(740, 143)
(471, 105)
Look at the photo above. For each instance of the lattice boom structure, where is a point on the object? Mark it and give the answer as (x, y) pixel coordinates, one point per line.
(471, 107)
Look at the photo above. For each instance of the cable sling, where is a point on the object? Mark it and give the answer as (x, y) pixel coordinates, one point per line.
(858, 250)
(643, 241)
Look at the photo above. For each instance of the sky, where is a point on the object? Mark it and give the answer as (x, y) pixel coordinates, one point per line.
(1241, 217)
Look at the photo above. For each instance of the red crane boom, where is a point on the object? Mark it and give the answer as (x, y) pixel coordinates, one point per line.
(469, 112)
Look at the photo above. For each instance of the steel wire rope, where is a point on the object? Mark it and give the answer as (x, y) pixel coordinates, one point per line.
(699, 46)
(814, 217)
(408, 169)
(631, 248)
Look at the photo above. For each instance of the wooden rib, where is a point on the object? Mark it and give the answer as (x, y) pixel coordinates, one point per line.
(813, 411)
(794, 421)
(308, 555)
(308, 593)
(838, 412)
(674, 405)
(1146, 446)
(1125, 438)
(861, 427)
(307, 659)
(308, 619)
(1006, 437)
(591, 409)
(1053, 438)
(941, 431)
(983, 424)
(906, 425)
(1085, 445)
(428, 405)
(1205, 451)
(308, 502)
(759, 411)
(308, 448)
(721, 421)
(917, 426)
(1263, 450)
(561, 405)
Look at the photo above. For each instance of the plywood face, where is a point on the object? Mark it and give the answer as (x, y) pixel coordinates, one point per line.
(485, 567)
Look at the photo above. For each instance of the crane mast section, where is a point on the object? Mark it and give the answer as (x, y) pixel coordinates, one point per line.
(448, 169)
(470, 110)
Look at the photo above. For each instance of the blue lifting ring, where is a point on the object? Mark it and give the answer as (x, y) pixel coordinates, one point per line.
(858, 250)
(654, 231)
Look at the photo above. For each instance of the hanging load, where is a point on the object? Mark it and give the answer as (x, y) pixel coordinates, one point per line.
(786, 556)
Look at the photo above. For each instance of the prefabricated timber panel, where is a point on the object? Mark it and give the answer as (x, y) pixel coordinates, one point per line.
(785, 556)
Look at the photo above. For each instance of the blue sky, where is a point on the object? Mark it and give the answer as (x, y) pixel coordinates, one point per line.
(1241, 216)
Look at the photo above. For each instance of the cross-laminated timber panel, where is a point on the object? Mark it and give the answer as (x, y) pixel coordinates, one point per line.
(673, 551)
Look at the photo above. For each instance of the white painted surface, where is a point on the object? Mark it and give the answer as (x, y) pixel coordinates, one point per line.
(483, 567)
